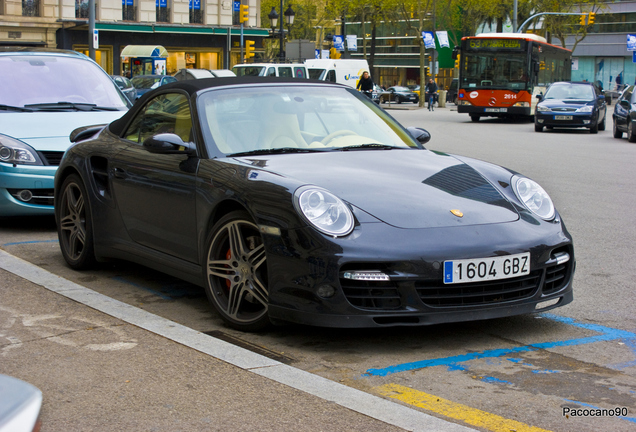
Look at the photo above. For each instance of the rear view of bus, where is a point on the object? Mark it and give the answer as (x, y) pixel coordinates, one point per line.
(501, 73)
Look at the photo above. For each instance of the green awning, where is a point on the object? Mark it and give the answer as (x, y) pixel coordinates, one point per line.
(144, 51)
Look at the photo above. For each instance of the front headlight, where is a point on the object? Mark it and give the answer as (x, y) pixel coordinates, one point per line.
(534, 197)
(586, 108)
(14, 151)
(541, 108)
(324, 210)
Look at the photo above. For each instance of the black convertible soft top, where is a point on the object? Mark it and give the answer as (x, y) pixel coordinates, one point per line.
(195, 85)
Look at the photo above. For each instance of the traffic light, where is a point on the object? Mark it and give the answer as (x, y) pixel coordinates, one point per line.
(426, 71)
(583, 20)
(457, 62)
(591, 18)
(249, 49)
(334, 54)
(244, 13)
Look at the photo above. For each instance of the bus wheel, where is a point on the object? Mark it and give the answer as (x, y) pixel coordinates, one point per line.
(474, 118)
(538, 128)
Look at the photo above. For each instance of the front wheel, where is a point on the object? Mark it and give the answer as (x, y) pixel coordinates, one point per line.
(601, 125)
(538, 127)
(236, 272)
(631, 133)
(75, 224)
(594, 129)
(617, 132)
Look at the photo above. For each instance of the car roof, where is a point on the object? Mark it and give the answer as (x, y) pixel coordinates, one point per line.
(39, 50)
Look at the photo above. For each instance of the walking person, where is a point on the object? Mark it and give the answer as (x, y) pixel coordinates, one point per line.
(431, 92)
(365, 85)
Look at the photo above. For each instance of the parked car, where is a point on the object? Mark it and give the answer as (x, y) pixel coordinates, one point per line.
(284, 70)
(20, 404)
(399, 94)
(451, 94)
(46, 94)
(186, 74)
(126, 86)
(415, 88)
(143, 83)
(571, 105)
(624, 116)
(377, 93)
(302, 201)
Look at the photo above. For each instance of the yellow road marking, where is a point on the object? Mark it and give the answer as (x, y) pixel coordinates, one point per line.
(454, 410)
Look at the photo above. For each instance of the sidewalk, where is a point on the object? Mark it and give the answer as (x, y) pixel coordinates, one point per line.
(103, 365)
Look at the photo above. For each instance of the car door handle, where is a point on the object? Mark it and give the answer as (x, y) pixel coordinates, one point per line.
(119, 173)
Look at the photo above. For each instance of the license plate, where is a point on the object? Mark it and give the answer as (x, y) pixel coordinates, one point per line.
(496, 109)
(484, 269)
(562, 117)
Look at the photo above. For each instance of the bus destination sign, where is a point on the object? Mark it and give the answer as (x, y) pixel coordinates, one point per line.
(494, 44)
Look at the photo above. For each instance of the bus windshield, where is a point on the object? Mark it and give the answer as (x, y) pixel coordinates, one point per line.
(492, 70)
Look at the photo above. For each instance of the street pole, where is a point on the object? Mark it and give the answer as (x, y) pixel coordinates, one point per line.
(514, 17)
(91, 28)
(281, 54)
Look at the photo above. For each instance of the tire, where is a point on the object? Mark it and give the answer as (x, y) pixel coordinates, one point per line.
(594, 129)
(75, 224)
(236, 272)
(601, 125)
(617, 132)
(398, 99)
(474, 118)
(631, 133)
(538, 127)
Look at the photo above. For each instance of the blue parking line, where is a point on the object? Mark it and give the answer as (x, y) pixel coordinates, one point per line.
(157, 293)
(30, 242)
(454, 362)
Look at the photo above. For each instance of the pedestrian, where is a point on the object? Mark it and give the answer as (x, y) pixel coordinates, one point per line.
(365, 85)
(431, 92)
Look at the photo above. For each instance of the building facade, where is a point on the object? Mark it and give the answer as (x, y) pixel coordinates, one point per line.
(196, 33)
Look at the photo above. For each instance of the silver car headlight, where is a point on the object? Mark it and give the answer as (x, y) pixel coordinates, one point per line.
(586, 108)
(541, 108)
(324, 210)
(534, 197)
(14, 151)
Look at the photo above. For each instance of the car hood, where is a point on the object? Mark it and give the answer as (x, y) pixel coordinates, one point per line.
(573, 103)
(403, 188)
(49, 131)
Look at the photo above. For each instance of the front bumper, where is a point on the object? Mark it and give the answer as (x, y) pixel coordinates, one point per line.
(493, 111)
(35, 182)
(577, 120)
(299, 263)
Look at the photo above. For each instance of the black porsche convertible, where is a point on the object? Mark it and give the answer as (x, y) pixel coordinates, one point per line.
(305, 202)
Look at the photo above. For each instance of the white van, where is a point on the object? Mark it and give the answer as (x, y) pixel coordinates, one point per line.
(289, 70)
(343, 71)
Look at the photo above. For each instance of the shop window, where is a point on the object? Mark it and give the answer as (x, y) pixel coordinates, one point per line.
(163, 11)
(31, 8)
(129, 10)
(196, 12)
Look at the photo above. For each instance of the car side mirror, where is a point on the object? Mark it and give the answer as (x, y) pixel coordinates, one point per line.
(422, 136)
(168, 143)
(601, 98)
(625, 104)
(540, 97)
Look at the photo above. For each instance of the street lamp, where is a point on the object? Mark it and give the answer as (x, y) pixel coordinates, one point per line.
(289, 18)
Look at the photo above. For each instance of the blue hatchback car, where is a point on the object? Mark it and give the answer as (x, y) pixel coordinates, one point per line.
(46, 94)
(571, 105)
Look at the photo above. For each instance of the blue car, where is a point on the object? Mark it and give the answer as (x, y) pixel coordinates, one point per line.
(46, 94)
(571, 105)
(144, 83)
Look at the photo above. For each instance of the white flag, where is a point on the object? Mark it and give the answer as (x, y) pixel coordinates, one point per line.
(442, 38)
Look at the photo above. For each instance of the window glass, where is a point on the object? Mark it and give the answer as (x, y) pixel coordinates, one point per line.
(299, 72)
(271, 71)
(166, 113)
(331, 76)
(285, 72)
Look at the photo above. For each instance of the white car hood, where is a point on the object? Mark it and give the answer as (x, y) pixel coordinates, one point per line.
(49, 131)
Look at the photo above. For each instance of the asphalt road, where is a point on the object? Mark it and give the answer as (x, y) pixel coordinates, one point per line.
(520, 373)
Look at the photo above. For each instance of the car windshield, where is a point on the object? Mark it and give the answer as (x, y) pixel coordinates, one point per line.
(401, 89)
(144, 82)
(570, 91)
(48, 79)
(265, 119)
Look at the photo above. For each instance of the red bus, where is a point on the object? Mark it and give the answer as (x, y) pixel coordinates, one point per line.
(501, 73)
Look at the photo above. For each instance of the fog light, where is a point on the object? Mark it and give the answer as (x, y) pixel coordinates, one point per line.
(369, 275)
(587, 121)
(326, 291)
(539, 120)
(25, 195)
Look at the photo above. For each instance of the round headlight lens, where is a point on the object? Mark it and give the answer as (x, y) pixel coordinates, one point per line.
(324, 210)
(534, 197)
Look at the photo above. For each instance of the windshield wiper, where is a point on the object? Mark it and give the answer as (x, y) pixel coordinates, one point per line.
(79, 106)
(370, 146)
(14, 108)
(278, 151)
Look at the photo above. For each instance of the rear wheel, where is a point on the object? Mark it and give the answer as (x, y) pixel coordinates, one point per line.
(74, 224)
(236, 272)
(617, 132)
(631, 133)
